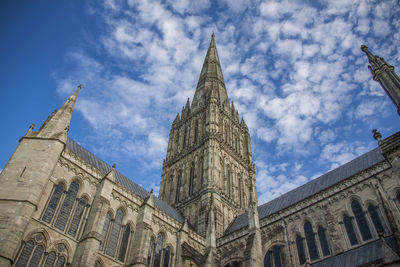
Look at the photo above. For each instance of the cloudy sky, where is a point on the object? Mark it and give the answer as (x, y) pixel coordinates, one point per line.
(294, 70)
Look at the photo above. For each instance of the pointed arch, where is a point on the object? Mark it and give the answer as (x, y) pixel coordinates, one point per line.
(114, 234)
(124, 242)
(376, 217)
(351, 233)
(323, 240)
(53, 203)
(66, 206)
(104, 232)
(361, 220)
(32, 251)
(310, 239)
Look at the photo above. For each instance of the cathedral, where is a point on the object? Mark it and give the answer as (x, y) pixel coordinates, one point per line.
(61, 205)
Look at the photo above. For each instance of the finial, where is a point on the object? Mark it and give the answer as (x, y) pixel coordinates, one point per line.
(212, 35)
(151, 191)
(32, 126)
(114, 165)
(67, 128)
(80, 86)
(377, 135)
(364, 48)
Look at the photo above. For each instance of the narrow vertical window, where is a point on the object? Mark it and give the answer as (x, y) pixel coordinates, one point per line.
(178, 187)
(351, 234)
(166, 257)
(177, 140)
(277, 256)
(268, 259)
(376, 218)
(300, 250)
(80, 208)
(361, 220)
(51, 258)
(240, 190)
(104, 232)
(398, 196)
(25, 254)
(124, 243)
(323, 241)
(310, 239)
(158, 251)
(114, 235)
(150, 252)
(229, 182)
(192, 178)
(66, 207)
(202, 171)
(60, 262)
(196, 131)
(53, 203)
(36, 256)
(184, 138)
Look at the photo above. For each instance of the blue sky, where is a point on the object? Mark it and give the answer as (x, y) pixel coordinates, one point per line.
(294, 70)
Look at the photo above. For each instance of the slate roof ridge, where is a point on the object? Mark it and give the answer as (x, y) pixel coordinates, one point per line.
(120, 178)
(312, 187)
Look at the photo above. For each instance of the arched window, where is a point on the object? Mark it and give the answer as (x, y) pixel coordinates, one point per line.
(76, 220)
(351, 234)
(184, 138)
(167, 252)
(114, 235)
(361, 220)
(57, 257)
(150, 252)
(310, 239)
(158, 251)
(273, 257)
(124, 243)
(375, 215)
(53, 203)
(398, 196)
(323, 240)
(300, 250)
(104, 232)
(66, 207)
(97, 264)
(32, 252)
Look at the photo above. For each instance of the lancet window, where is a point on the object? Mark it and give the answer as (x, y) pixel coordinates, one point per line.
(323, 240)
(33, 253)
(178, 186)
(274, 257)
(361, 220)
(65, 205)
(376, 218)
(115, 237)
(158, 254)
(300, 250)
(310, 239)
(351, 233)
(192, 178)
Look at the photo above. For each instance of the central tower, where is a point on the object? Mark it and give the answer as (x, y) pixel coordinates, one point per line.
(209, 166)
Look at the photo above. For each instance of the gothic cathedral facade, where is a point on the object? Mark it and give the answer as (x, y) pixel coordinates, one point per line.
(61, 205)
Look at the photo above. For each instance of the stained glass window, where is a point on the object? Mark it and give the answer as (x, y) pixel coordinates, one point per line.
(361, 220)
(53, 203)
(25, 254)
(150, 252)
(60, 262)
(166, 257)
(104, 232)
(36, 256)
(124, 243)
(114, 235)
(277, 256)
(323, 241)
(66, 207)
(350, 230)
(310, 239)
(51, 258)
(267, 259)
(300, 250)
(158, 251)
(376, 219)
(73, 228)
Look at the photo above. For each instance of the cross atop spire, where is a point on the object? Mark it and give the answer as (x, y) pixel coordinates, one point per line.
(211, 77)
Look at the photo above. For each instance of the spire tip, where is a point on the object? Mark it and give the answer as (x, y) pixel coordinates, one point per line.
(364, 48)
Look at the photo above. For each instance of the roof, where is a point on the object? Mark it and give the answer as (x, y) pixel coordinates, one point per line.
(121, 179)
(317, 185)
(366, 254)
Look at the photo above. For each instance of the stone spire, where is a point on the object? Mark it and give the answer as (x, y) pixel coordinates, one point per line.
(384, 74)
(57, 124)
(211, 77)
